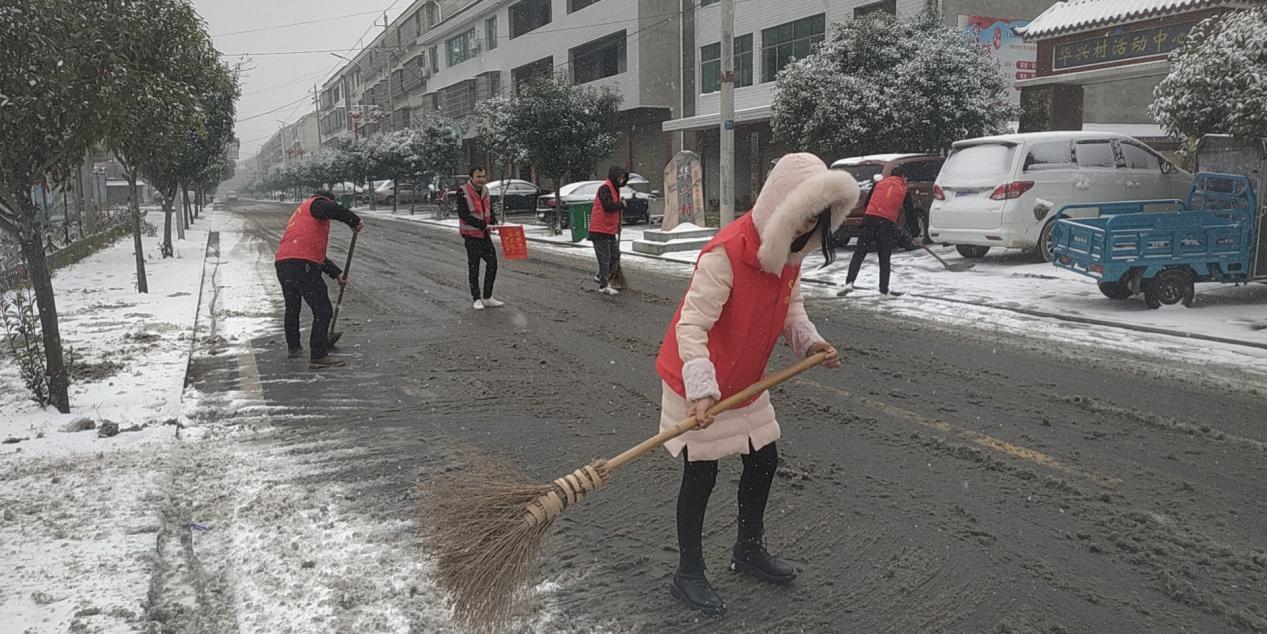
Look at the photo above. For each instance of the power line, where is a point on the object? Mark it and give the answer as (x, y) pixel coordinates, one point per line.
(302, 80)
(284, 26)
(283, 107)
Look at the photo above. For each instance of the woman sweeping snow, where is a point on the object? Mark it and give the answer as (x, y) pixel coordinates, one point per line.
(744, 293)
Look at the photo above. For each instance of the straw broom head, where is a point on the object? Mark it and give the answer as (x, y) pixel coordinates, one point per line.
(484, 529)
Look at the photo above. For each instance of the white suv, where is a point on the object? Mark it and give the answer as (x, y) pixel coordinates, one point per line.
(992, 191)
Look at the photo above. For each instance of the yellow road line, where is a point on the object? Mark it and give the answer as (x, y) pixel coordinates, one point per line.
(989, 442)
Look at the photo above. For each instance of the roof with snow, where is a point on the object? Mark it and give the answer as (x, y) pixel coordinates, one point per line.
(1083, 15)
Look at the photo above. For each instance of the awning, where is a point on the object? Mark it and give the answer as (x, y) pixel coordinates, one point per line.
(706, 121)
(1086, 15)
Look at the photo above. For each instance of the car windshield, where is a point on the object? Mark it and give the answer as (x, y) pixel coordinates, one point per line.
(977, 161)
(863, 173)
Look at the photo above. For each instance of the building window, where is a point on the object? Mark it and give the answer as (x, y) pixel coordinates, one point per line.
(887, 6)
(543, 67)
(432, 10)
(710, 65)
(435, 59)
(577, 5)
(704, 3)
(786, 42)
(461, 48)
(490, 33)
(528, 15)
(598, 59)
(710, 68)
(417, 24)
(458, 100)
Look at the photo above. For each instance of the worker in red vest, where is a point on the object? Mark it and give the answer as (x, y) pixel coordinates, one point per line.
(879, 228)
(744, 294)
(475, 216)
(605, 219)
(300, 261)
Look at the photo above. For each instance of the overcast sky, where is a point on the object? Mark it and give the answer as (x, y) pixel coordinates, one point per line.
(281, 82)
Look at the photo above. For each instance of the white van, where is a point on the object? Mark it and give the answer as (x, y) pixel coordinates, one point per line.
(987, 191)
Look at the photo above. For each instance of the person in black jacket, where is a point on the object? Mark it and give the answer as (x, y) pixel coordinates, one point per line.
(475, 216)
(605, 220)
(300, 261)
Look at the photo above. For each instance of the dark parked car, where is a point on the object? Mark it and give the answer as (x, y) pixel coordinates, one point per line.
(520, 195)
(921, 174)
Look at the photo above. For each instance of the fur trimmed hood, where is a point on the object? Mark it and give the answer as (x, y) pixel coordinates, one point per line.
(797, 189)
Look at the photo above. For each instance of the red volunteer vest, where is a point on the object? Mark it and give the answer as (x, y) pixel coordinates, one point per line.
(306, 237)
(886, 198)
(479, 206)
(605, 222)
(742, 339)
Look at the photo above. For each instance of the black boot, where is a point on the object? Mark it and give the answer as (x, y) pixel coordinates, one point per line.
(752, 558)
(693, 589)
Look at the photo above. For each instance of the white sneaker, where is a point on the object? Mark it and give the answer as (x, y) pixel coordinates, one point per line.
(493, 303)
(889, 295)
(845, 291)
(607, 290)
(478, 305)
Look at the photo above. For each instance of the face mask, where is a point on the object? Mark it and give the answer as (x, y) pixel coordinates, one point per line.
(823, 229)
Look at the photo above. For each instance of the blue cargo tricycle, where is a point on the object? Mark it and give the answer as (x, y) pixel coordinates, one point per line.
(1213, 236)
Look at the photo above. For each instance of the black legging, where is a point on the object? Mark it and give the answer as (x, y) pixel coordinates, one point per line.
(698, 479)
(481, 249)
(878, 234)
(301, 282)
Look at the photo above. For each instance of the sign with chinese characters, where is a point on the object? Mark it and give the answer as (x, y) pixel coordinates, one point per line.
(683, 191)
(1120, 46)
(1016, 58)
(514, 243)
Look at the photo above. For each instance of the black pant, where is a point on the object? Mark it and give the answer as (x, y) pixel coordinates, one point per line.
(607, 248)
(481, 249)
(301, 282)
(698, 479)
(877, 234)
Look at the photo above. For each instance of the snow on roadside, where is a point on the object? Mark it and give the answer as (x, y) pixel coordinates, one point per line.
(77, 511)
(131, 349)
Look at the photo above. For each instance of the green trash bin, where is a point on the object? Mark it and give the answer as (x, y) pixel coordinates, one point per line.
(346, 201)
(579, 219)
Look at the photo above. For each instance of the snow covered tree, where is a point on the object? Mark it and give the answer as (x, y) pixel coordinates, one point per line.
(51, 113)
(494, 135)
(563, 129)
(1218, 79)
(880, 84)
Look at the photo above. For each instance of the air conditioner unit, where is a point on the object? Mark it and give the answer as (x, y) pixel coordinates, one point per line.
(474, 48)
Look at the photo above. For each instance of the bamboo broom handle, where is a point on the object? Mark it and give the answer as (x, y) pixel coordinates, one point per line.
(724, 405)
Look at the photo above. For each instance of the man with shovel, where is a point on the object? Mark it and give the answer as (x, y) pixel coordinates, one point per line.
(879, 228)
(300, 261)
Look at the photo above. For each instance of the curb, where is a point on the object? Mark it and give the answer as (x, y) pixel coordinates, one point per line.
(212, 250)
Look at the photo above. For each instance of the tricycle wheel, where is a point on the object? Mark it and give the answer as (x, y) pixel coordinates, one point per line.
(1047, 244)
(1170, 287)
(1115, 290)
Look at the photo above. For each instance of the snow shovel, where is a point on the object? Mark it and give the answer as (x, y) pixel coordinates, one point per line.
(485, 526)
(956, 267)
(336, 335)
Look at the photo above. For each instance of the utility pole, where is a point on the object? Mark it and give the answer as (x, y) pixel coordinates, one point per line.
(391, 99)
(316, 106)
(727, 129)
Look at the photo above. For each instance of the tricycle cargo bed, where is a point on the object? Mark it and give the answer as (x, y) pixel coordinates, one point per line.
(1211, 237)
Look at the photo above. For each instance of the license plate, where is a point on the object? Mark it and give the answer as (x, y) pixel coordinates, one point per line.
(963, 194)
